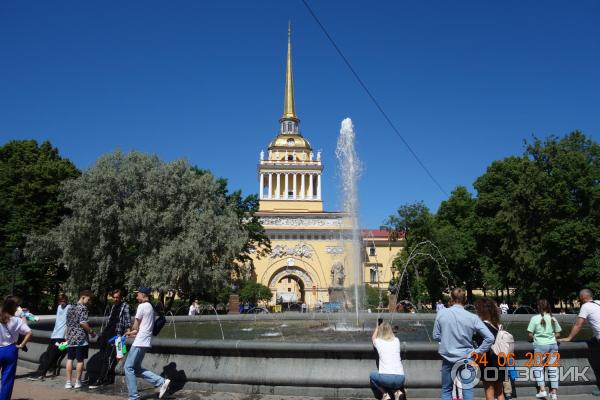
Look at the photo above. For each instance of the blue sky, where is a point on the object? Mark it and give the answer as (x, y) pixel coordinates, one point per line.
(464, 82)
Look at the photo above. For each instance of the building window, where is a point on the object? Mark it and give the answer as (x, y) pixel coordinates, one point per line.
(373, 275)
(289, 280)
(372, 251)
(290, 158)
(290, 142)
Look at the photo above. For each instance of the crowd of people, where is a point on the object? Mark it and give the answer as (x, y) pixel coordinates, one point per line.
(479, 344)
(474, 342)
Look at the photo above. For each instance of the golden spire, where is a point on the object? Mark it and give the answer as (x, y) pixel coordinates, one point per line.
(289, 110)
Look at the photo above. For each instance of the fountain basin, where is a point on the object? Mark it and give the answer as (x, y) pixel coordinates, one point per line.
(309, 369)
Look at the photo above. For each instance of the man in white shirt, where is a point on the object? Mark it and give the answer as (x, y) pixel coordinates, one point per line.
(142, 328)
(504, 308)
(590, 312)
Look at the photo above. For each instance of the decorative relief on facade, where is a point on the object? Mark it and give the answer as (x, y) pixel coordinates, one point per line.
(299, 250)
(296, 222)
(337, 275)
(334, 249)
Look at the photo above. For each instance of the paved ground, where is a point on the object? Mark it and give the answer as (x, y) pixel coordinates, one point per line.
(52, 389)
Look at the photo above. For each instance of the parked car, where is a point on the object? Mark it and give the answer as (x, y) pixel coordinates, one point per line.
(332, 307)
(257, 310)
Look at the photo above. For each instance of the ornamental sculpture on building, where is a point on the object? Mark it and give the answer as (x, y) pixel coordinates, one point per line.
(299, 250)
(337, 275)
(300, 221)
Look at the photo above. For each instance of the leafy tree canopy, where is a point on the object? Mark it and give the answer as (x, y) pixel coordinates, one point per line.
(30, 177)
(137, 220)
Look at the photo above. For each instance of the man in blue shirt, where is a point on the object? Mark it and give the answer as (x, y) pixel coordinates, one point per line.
(454, 329)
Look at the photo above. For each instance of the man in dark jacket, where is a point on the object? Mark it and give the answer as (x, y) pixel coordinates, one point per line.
(119, 322)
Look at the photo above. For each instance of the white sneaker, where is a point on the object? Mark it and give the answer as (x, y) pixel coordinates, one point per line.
(385, 397)
(78, 385)
(68, 385)
(398, 394)
(553, 396)
(164, 388)
(541, 395)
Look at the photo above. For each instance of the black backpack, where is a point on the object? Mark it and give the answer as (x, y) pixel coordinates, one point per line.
(159, 322)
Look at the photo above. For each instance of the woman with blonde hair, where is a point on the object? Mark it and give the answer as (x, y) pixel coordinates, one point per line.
(387, 382)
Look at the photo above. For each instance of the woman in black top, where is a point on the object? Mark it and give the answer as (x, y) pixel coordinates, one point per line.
(492, 375)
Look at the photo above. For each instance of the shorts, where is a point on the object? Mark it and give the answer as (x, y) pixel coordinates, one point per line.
(80, 353)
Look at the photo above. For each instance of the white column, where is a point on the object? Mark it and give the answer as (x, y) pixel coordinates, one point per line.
(295, 185)
(285, 194)
(310, 186)
(302, 192)
(271, 192)
(318, 186)
(278, 187)
(261, 185)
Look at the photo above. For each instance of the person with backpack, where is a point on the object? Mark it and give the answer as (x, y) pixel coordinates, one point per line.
(142, 330)
(454, 329)
(543, 330)
(590, 312)
(492, 375)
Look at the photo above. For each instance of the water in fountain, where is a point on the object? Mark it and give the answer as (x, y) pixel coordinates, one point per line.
(349, 168)
(422, 252)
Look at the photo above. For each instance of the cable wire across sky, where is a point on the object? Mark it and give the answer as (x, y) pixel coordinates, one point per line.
(381, 110)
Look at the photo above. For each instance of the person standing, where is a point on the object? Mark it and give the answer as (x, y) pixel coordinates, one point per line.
(493, 385)
(53, 354)
(590, 312)
(543, 330)
(194, 309)
(504, 307)
(77, 330)
(142, 331)
(119, 322)
(387, 382)
(10, 329)
(439, 306)
(454, 329)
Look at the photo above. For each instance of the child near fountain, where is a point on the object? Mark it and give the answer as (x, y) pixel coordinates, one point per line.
(387, 383)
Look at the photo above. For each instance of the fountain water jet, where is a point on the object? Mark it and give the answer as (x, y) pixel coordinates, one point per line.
(349, 167)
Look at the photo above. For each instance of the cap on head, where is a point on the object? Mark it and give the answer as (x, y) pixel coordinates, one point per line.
(144, 290)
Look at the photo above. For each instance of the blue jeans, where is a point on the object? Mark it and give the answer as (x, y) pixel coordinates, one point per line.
(448, 382)
(385, 383)
(133, 368)
(8, 363)
(538, 371)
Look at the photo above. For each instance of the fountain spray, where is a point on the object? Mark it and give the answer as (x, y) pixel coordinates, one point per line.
(349, 167)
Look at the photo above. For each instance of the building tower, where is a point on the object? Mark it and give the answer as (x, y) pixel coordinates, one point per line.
(290, 175)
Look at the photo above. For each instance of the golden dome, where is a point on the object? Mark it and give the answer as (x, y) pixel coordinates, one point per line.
(290, 141)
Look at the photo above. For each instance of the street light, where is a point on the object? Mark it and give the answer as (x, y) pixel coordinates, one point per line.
(16, 256)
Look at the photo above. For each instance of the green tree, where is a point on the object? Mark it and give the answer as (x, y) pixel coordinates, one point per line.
(253, 292)
(538, 218)
(422, 278)
(138, 220)
(30, 177)
(455, 236)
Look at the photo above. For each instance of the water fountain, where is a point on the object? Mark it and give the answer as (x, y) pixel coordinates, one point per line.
(349, 169)
(328, 357)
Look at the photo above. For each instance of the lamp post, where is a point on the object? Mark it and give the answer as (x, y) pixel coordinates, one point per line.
(16, 255)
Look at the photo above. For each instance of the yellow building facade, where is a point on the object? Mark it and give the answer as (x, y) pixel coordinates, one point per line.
(309, 251)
